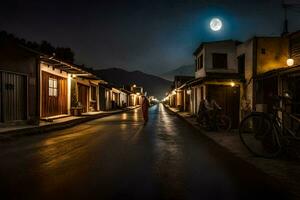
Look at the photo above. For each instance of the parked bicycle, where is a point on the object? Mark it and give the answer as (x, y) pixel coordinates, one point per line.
(264, 134)
(216, 120)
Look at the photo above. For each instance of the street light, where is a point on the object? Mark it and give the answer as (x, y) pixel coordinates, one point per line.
(290, 62)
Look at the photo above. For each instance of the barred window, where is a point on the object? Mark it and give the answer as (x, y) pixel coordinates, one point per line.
(52, 87)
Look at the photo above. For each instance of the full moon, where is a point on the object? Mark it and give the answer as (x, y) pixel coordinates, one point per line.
(216, 24)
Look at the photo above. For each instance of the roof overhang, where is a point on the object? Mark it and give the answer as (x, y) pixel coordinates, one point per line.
(295, 71)
(69, 68)
(126, 91)
(218, 77)
(116, 90)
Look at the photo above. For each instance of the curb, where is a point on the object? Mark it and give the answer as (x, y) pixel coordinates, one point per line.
(277, 181)
(8, 135)
(187, 121)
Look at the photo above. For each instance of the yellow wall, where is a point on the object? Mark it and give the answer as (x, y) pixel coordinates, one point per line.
(295, 46)
(275, 55)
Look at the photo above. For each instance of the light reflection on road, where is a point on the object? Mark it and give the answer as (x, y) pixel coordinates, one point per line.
(120, 157)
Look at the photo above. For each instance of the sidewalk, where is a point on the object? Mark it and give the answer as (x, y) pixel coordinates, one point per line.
(9, 132)
(285, 170)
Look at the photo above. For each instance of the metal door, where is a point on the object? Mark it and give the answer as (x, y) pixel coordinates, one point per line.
(13, 97)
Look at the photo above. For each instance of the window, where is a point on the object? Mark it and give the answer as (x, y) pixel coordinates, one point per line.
(219, 60)
(196, 64)
(52, 87)
(241, 64)
(201, 62)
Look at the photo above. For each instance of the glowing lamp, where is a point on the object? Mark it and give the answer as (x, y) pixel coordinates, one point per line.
(232, 84)
(73, 75)
(290, 62)
(173, 92)
(189, 92)
(138, 93)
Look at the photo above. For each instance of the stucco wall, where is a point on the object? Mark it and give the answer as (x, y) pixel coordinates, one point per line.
(123, 98)
(276, 54)
(227, 47)
(196, 97)
(247, 49)
(295, 48)
(200, 73)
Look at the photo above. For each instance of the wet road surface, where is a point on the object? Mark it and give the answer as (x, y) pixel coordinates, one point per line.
(118, 157)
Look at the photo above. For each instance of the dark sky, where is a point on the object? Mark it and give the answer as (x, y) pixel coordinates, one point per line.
(152, 36)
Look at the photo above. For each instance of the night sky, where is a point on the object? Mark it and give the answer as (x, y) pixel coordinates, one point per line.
(151, 36)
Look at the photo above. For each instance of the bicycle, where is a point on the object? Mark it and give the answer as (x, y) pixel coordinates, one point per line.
(218, 120)
(263, 134)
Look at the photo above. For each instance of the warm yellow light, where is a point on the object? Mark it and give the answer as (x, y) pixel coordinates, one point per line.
(290, 62)
(73, 75)
(232, 84)
(189, 92)
(134, 85)
(173, 92)
(138, 93)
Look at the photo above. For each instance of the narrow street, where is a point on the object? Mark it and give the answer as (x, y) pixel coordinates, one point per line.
(118, 157)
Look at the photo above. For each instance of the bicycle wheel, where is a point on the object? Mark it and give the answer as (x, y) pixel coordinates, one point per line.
(258, 134)
(224, 123)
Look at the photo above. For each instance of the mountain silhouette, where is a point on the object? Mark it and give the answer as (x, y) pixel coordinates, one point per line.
(184, 70)
(153, 85)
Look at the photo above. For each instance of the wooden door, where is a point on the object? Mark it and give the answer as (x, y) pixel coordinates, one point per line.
(83, 96)
(13, 97)
(228, 98)
(54, 95)
(63, 96)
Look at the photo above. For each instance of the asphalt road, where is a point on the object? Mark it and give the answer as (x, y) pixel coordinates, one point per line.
(118, 157)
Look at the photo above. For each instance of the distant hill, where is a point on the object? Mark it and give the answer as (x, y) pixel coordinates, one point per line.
(185, 70)
(154, 85)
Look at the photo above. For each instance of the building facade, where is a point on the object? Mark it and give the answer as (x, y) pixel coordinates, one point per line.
(259, 56)
(217, 77)
(35, 86)
(19, 81)
(66, 89)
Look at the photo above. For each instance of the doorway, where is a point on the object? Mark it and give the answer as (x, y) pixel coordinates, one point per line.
(228, 98)
(13, 97)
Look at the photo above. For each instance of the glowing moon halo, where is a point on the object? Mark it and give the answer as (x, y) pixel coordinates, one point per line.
(216, 24)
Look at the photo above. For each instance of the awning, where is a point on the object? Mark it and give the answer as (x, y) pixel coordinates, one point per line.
(69, 68)
(218, 77)
(126, 91)
(279, 72)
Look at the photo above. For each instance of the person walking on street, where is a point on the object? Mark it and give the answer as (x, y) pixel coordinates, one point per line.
(145, 107)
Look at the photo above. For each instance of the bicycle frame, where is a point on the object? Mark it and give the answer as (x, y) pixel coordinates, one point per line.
(282, 130)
